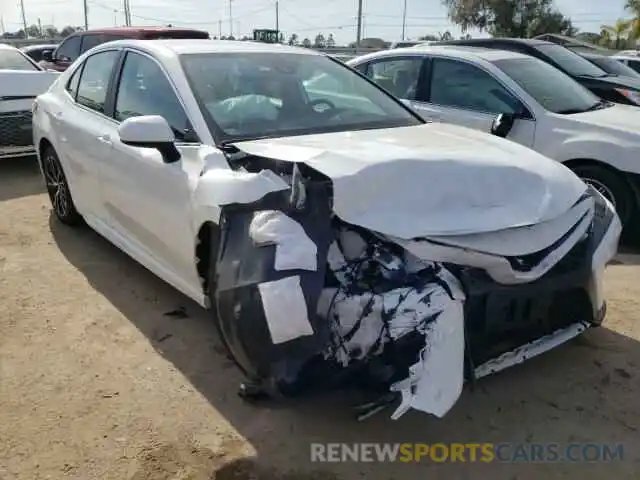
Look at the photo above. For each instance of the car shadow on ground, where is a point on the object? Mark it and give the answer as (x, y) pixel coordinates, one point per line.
(572, 394)
(20, 178)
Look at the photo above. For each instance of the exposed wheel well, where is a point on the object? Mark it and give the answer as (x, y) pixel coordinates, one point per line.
(44, 143)
(42, 146)
(583, 162)
(207, 242)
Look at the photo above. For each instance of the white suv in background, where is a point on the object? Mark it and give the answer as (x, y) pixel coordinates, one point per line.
(525, 100)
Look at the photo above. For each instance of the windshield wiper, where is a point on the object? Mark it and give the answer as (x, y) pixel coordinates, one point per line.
(596, 106)
(599, 105)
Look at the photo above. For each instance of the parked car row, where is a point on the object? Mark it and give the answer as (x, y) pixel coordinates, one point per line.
(336, 236)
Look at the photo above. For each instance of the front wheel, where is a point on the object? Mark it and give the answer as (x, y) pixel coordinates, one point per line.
(58, 189)
(613, 187)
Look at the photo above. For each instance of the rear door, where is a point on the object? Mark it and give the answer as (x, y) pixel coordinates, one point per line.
(83, 129)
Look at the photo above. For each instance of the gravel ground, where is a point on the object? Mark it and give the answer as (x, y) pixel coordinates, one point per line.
(98, 381)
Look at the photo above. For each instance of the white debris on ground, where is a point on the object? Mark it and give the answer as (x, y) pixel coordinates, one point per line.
(382, 293)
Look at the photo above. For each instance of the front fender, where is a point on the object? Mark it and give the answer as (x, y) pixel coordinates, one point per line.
(621, 155)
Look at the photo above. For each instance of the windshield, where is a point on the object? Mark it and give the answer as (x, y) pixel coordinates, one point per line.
(257, 95)
(552, 89)
(614, 67)
(14, 60)
(570, 61)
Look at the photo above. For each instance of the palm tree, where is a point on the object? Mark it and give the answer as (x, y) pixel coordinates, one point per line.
(634, 7)
(620, 30)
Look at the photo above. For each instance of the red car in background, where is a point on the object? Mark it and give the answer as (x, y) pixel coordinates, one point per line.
(77, 43)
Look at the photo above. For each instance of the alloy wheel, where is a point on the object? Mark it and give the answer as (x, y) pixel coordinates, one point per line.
(56, 185)
(601, 188)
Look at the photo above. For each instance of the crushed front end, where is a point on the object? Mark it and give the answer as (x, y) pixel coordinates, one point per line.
(309, 302)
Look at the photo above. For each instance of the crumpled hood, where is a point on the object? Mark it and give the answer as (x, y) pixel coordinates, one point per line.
(433, 179)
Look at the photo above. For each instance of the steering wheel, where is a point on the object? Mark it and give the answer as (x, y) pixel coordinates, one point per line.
(322, 101)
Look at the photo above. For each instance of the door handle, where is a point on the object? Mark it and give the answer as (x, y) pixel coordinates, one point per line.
(106, 138)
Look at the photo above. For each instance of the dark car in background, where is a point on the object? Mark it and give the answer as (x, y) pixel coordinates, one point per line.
(38, 52)
(77, 43)
(614, 88)
(611, 65)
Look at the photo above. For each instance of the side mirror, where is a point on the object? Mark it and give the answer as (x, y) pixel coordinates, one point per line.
(502, 125)
(47, 55)
(150, 131)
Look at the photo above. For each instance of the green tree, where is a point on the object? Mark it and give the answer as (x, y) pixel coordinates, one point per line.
(618, 32)
(509, 18)
(293, 39)
(331, 42)
(306, 43)
(634, 7)
(33, 31)
(319, 42)
(68, 30)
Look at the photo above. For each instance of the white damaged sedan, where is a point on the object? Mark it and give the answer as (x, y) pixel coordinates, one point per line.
(337, 238)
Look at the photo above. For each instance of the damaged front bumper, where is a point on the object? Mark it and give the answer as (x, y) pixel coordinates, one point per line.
(307, 302)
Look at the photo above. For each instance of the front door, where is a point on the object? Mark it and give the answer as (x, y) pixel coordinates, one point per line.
(147, 200)
(466, 95)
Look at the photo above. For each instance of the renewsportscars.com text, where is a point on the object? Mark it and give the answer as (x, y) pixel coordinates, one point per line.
(466, 452)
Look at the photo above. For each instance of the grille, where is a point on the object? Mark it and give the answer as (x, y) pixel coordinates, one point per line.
(15, 129)
(500, 318)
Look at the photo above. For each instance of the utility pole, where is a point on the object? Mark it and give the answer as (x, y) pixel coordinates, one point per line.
(24, 18)
(86, 15)
(230, 18)
(40, 28)
(404, 18)
(359, 31)
(2, 24)
(277, 21)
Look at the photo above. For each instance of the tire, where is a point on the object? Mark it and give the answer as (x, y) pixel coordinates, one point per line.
(613, 186)
(58, 189)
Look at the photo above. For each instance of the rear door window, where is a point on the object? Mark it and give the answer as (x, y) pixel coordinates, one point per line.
(399, 76)
(94, 81)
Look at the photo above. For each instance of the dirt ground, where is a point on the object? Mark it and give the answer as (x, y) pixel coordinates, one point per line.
(99, 381)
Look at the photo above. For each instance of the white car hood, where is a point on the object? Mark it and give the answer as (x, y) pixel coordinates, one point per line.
(625, 118)
(433, 179)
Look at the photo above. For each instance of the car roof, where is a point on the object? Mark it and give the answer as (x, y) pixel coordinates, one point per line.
(459, 51)
(139, 29)
(479, 41)
(626, 57)
(28, 48)
(184, 46)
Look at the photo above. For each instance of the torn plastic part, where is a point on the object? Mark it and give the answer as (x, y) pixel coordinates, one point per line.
(435, 381)
(378, 300)
(530, 350)
(222, 186)
(285, 309)
(496, 266)
(298, 192)
(294, 249)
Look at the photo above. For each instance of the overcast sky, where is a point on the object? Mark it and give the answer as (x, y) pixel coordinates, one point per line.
(382, 18)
